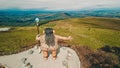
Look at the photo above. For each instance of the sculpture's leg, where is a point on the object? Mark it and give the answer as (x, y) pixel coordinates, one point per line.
(54, 54)
(45, 54)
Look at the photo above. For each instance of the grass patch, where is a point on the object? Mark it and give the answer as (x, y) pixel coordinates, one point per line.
(92, 32)
(16, 38)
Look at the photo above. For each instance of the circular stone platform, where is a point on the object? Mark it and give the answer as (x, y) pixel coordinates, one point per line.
(66, 58)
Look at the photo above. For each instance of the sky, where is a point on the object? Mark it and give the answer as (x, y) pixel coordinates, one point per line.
(58, 4)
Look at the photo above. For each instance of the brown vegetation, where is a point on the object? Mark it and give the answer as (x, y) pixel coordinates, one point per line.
(96, 58)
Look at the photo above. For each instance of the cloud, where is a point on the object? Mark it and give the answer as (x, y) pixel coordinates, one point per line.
(58, 4)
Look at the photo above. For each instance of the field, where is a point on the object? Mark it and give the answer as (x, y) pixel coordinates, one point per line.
(92, 32)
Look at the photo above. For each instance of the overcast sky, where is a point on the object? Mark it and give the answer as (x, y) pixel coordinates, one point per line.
(58, 4)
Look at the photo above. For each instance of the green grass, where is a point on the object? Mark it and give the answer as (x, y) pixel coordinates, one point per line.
(92, 32)
(16, 38)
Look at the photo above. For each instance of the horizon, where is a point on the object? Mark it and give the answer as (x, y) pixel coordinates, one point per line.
(58, 5)
(42, 10)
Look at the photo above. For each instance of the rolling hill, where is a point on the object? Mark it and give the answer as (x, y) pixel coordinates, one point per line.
(27, 17)
(90, 31)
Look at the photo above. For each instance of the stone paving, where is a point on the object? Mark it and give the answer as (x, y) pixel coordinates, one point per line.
(66, 58)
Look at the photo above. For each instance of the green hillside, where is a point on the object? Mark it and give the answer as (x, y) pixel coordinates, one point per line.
(92, 32)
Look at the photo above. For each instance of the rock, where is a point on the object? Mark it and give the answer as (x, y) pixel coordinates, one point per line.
(31, 52)
(28, 65)
(69, 53)
(36, 47)
(65, 64)
(64, 48)
(6, 66)
(1, 66)
(24, 60)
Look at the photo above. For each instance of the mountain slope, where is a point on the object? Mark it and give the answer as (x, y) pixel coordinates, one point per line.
(92, 32)
(27, 17)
